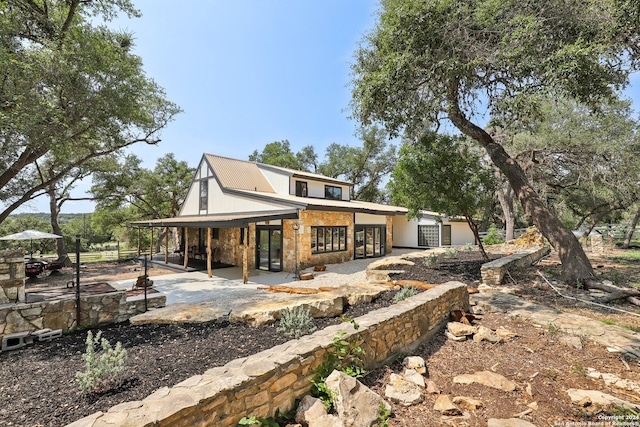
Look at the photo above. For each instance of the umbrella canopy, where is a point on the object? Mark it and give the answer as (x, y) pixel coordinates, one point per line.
(30, 235)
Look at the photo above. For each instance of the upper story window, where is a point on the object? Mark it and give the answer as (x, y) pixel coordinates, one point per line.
(204, 194)
(301, 189)
(333, 193)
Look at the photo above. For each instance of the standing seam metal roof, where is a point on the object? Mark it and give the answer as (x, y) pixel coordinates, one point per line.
(238, 174)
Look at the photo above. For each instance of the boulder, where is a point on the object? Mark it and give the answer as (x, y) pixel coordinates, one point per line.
(403, 391)
(355, 404)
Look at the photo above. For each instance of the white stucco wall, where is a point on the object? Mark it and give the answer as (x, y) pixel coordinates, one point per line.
(405, 232)
(278, 180)
(370, 219)
(461, 234)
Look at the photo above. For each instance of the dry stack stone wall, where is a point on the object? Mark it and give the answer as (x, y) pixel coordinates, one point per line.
(272, 380)
(493, 272)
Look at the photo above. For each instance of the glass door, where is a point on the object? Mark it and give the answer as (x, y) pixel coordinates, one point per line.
(263, 249)
(269, 248)
(369, 241)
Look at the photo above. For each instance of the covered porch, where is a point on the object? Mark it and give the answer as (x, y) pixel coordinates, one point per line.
(210, 241)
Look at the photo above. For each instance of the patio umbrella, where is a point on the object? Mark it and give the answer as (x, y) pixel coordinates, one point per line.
(30, 235)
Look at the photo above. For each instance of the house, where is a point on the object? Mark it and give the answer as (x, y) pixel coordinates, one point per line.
(276, 219)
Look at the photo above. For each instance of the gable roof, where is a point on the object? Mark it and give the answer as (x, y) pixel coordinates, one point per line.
(238, 174)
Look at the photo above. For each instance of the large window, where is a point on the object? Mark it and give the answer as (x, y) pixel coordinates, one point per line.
(333, 193)
(428, 235)
(301, 189)
(328, 239)
(369, 241)
(204, 194)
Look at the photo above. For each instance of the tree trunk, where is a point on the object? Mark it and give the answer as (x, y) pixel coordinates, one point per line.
(61, 250)
(576, 268)
(631, 229)
(508, 211)
(474, 228)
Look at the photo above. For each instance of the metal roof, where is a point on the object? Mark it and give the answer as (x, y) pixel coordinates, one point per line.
(226, 220)
(238, 174)
(303, 174)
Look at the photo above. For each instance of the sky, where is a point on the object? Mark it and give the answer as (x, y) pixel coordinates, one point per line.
(247, 73)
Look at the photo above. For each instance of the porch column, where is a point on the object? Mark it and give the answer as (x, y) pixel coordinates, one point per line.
(245, 257)
(166, 245)
(209, 252)
(186, 247)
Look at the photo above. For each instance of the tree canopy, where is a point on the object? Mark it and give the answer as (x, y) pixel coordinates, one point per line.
(443, 173)
(444, 59)
(71, 91)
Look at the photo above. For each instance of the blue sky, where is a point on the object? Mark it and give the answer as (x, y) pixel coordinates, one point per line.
(247, 73)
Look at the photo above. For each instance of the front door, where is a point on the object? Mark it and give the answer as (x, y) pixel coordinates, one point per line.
(269, 247)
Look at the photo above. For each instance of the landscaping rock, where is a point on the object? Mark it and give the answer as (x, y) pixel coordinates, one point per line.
(597, 397)
(355, 404)
(467, 402)
(485, 334)
(416, 363)
(460, 329)
(452, 337)
(445, 406)
(310, 410)
(490, 379)
(432, 388)
(414, 377)
(403, 391)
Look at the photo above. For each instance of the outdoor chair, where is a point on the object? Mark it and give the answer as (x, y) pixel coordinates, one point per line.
(57, 265)
(34, 269)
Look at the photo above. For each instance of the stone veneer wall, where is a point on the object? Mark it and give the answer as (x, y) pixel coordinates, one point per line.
(12, 276)
(493, 272)
(310, 219)
(260, 384)
(96, 310)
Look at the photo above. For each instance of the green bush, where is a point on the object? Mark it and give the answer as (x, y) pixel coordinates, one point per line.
(105, 369)
(345, 356)
(296, 322)
(492, 237)
(404, 293)
(430, 260)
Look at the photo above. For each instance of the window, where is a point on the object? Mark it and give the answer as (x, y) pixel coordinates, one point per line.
(301, 189)
(332, 193)
(428, 235)
(328, 239)
(204, 194)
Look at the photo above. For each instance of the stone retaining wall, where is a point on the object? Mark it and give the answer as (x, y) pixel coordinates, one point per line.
(493, 272)
(95, 310)
(260, 384)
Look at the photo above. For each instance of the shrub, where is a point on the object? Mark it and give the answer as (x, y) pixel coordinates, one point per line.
(451, 252)
(104, 369)
(430, 260)
(296, 322)
(492, 237)
(404, 293)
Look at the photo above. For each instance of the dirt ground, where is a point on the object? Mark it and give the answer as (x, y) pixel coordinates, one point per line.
(93, 272)
(162, 355)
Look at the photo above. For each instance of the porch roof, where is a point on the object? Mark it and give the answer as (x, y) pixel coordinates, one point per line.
(221, 220)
